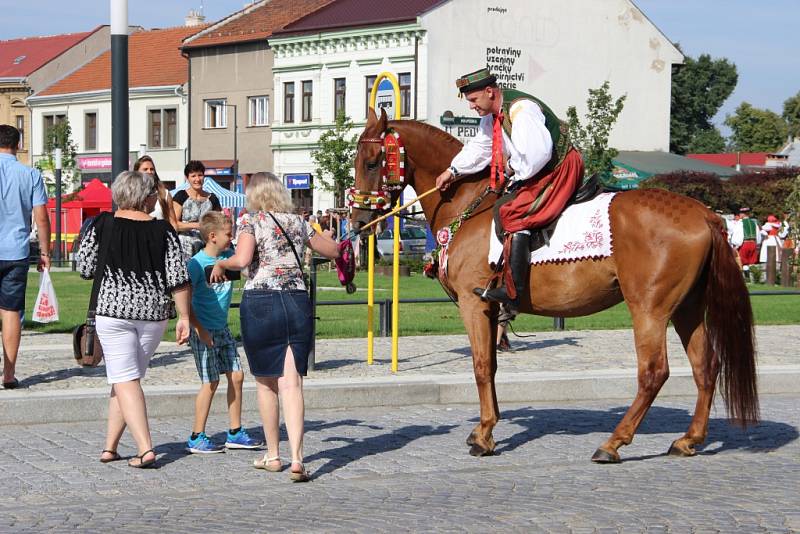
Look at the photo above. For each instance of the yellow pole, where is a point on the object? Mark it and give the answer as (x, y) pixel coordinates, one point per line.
(395, 292)
(370, 297)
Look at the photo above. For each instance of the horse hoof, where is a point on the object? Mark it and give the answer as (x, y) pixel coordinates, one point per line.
(602, 456)
(681, 452)
(471, 439)
(476, 450)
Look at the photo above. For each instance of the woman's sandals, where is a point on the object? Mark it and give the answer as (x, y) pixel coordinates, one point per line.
(142, 463)
(299, 476)
(268, 464)
(115, 457)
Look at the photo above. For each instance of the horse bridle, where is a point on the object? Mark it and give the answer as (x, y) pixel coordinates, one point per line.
(382, 199)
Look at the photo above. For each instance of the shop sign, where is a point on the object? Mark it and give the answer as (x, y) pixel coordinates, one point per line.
(298, 181)
(94, 163)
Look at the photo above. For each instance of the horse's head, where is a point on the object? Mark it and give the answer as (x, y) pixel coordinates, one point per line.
(370, 197)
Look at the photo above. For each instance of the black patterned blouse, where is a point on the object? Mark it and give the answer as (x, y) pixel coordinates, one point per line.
(144, 266)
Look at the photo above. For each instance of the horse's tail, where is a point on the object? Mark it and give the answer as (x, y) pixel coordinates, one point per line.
(729, 331)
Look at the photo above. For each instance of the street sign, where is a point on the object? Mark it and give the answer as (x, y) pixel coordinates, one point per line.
(446, 120)
(298, 181)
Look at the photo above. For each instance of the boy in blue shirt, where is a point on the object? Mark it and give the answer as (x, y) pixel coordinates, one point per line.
(213, 345)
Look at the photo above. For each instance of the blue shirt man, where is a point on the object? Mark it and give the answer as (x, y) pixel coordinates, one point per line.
(21, 189)
(21, 195)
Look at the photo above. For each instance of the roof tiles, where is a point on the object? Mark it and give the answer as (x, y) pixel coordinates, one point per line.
(21, 57)
(254, 23)
(354, 13)
(154, 60)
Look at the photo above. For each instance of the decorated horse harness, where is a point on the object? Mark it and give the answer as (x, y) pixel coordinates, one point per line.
(393, 175)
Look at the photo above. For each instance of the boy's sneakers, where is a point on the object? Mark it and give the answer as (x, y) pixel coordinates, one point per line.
(202, 445)
(241, 440)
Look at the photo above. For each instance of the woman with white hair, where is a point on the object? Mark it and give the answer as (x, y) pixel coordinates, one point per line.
(276, 314)
(136, 262)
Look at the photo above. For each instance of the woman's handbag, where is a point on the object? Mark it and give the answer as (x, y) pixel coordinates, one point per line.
(86, 346)
(306, 278)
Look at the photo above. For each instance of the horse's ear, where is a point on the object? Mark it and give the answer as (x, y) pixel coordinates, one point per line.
(372, 119)
(383, 120)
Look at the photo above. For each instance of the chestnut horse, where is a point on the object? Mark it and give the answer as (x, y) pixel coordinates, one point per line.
(670, 262)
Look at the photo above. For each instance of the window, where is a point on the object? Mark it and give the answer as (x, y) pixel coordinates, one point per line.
(370, 82)
(48, 121)
(339, 96)
(90, 131)
(307, 96)
(405, 94)
(162, 128)
(259, 111)
(288, 102)
(216, 113)
(21, 128)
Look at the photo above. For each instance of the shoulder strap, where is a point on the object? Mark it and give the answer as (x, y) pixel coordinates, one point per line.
(291, 244)
(107, 222)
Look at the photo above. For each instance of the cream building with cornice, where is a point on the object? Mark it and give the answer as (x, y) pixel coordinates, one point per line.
(554, 49)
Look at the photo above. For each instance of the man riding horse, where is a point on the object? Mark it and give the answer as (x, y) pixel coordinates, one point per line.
(530, 155)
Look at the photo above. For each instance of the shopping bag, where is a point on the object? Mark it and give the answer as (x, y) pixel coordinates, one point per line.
(46, 308)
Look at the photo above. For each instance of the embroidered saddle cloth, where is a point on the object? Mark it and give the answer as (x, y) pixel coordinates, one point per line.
(583, 231)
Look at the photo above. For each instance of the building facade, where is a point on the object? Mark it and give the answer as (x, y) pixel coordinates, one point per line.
(554, 49)
(231, 86)
(158, 115)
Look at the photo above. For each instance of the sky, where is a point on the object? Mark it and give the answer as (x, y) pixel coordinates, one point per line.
(758, 36)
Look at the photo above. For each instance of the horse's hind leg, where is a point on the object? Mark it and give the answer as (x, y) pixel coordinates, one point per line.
(650, 335)
(689, 323)
(482, 330)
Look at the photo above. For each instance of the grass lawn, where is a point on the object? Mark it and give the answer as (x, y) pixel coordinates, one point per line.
(415, 319)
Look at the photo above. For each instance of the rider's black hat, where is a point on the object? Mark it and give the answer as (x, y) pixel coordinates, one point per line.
(475, 80)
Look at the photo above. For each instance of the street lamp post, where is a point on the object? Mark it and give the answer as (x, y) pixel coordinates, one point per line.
(58, 166)
(119, 87)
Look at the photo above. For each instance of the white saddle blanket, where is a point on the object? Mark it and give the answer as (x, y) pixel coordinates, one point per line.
(583, 231)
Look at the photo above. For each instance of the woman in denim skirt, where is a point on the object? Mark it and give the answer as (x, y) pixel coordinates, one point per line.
(275, 312)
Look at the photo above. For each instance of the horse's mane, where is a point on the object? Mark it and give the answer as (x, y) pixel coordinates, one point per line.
(431, 131)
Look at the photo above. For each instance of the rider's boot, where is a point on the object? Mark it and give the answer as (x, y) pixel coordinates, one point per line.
(520, 263)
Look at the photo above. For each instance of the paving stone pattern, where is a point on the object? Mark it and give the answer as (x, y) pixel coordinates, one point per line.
(408, 469)
(46, 360)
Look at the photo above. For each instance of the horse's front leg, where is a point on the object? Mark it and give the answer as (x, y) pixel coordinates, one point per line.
(481, 327)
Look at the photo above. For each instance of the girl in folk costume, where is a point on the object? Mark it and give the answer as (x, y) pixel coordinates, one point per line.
(770, 231)
(536, 157)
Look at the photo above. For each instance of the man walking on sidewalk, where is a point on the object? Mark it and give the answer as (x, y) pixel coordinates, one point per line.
(21, 193)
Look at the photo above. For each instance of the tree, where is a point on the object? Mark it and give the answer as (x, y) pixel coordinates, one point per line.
(708, 141)
(592, 139)
(756, 130)
(334, 158)
(59, 136)
(699, 88)
(791, 114)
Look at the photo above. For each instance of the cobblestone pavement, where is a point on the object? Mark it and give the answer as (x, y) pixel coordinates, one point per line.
(46, 362)
(408, 470)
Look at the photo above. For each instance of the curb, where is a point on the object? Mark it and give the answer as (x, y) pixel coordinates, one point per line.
(48, 406)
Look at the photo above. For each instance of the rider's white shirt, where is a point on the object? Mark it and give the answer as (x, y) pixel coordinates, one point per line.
(528, 150)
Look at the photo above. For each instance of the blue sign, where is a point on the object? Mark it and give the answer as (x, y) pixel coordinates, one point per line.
(298, 181)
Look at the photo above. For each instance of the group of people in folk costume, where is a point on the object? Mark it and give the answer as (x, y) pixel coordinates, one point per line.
(746, 236)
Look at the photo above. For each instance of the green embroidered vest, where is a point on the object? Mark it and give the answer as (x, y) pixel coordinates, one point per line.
(559, 131)
(749, 227)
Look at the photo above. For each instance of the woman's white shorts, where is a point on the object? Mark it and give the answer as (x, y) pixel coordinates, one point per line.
(128, 346)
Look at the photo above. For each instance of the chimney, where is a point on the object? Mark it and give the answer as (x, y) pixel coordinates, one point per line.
(195, 18)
